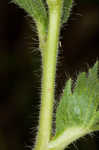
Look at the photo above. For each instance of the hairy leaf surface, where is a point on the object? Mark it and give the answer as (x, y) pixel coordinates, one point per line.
(35, 8)
(80, 107)
(67, 5)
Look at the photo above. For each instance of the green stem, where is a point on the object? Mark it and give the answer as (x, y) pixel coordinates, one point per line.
(49, 59)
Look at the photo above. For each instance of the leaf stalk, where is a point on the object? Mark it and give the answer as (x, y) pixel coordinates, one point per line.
(49, 60)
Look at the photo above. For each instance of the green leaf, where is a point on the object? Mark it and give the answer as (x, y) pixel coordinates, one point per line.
(35, 8)
(67, 5)
(79, 108)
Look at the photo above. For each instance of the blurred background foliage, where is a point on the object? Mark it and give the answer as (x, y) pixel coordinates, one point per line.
(20, 69)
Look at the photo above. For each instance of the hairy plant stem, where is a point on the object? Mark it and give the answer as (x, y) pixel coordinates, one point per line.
(49, 59)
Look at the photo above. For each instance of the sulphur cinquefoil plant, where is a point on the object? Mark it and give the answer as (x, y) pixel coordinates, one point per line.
(77, 113)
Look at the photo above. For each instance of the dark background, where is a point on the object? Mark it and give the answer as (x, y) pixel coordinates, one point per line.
(20, 69)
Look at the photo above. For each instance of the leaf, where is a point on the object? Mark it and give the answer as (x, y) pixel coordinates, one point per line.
(61, 120)
(79, 108)
(34, 8)
(67, 5)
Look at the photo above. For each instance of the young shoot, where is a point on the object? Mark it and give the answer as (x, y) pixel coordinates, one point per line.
(78, 112)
